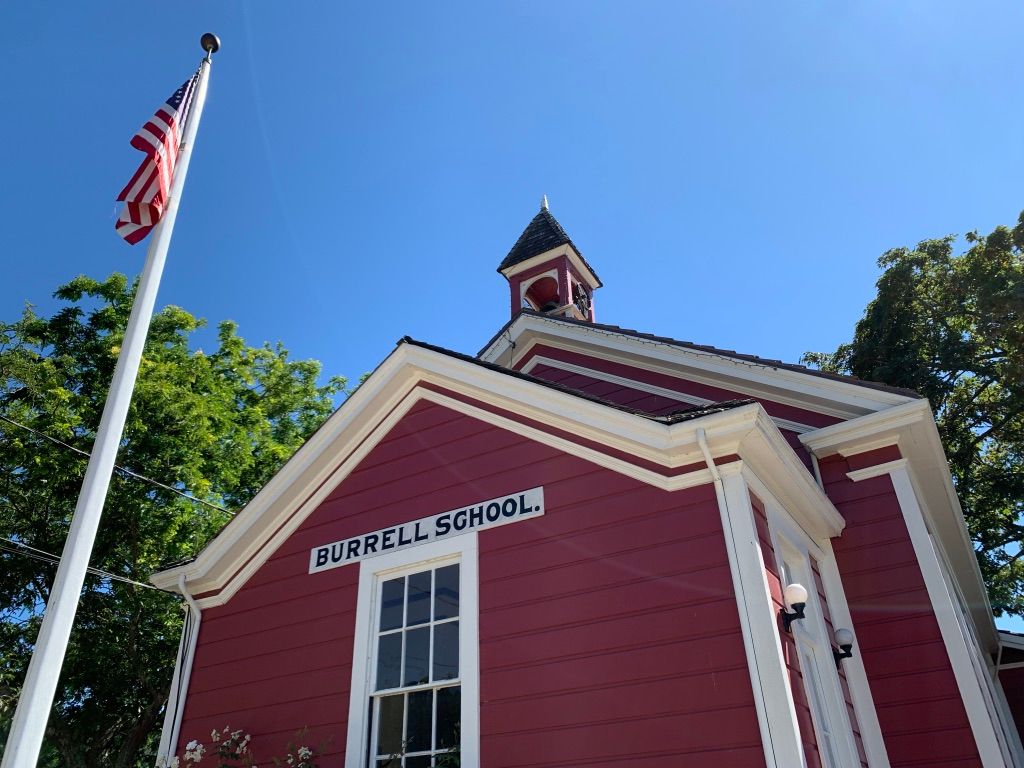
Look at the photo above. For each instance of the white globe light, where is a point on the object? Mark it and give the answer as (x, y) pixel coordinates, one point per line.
(844, 637)
(793, 594)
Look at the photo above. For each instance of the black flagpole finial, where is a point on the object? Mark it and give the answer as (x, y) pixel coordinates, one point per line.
(210, 43)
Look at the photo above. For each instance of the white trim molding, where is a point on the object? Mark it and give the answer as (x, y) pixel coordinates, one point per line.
(463, 550)
(986, 738)
(623, 442)
(560, 250)
(877, 470)
(178, 692)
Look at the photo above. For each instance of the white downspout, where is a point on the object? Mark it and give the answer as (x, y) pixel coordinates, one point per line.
(180, 681)
(817, 469)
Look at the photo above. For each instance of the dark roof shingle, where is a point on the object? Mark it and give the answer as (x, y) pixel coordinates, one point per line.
(542, 234)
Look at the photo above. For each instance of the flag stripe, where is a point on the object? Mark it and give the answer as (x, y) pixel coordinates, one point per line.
(145, 194)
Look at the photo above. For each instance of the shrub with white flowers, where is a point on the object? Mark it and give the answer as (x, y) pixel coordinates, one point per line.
(231, 749)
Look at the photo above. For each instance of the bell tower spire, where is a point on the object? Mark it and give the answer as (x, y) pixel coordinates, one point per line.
(547, 273)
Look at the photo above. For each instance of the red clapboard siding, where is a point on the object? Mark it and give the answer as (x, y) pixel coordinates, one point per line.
(609, 628)
(664, 381)
(789, 651)
(645, 401)
(920, 711)
(1012, 681)
(617, 642)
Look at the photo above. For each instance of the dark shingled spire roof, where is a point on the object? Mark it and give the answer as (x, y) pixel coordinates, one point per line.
(542, 234)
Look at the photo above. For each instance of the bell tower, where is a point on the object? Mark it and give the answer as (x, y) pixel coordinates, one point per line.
(547, 273)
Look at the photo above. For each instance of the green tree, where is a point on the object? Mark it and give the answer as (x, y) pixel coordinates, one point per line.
(219, 424)
(951, 326)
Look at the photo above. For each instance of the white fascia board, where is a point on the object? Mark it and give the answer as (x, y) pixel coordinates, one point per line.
(779, 469)
(929, 472)
(803, 390)
(561, 250)
(347, 437)
(303, 468)
(866, 432)
(1010, 640)
(352, 424)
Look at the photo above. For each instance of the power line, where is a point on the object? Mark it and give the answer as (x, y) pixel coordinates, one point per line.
(47, 557)
(118, 467)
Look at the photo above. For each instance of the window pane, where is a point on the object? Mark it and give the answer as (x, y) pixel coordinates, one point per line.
(446, 651)
(391, 604)
(449, 704)
(389, 661)
(390, 741)
(446, 592)
(421, 712)
(417, 656)
(420, 761)
(419, 599)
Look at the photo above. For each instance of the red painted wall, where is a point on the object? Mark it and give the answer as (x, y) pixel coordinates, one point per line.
(920, 711)
(609, 630)
(566, 273)
(1012, 681)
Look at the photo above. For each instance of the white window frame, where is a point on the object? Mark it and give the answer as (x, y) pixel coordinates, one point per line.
(793, 552)
(372, 572)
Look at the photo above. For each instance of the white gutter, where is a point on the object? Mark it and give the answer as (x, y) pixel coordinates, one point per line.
(182, 674)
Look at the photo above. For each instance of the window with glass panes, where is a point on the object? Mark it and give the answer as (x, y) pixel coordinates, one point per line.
(416, 700)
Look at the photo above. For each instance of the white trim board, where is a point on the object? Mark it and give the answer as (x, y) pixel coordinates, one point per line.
(277, 511)
(559, 250)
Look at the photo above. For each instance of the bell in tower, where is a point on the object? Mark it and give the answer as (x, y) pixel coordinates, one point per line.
(547, 273)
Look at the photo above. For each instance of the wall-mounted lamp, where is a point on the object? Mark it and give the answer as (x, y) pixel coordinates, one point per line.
(795, 598)
(844, 639)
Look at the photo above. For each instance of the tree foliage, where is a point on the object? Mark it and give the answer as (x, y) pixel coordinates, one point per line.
(219, 424)
(951, 326)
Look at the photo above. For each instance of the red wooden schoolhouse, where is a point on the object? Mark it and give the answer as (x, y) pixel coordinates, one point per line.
(593, 546)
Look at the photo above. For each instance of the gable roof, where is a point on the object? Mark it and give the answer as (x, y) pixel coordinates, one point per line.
(659, 451)
(679, 415)
(541, 235)
(729, 353)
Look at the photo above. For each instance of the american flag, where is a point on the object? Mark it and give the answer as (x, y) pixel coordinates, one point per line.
(146, 194)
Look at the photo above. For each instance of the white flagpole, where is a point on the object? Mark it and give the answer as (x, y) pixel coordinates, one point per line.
(29, 725)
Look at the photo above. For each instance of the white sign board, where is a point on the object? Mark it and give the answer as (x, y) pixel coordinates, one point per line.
(486, 514)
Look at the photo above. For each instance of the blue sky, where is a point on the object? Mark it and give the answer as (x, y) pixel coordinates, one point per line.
(731, 170)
